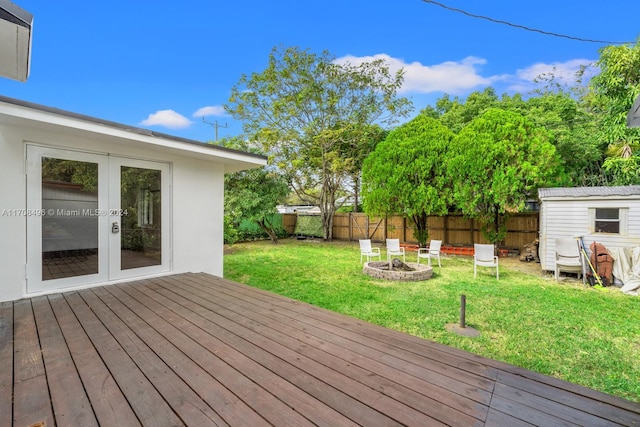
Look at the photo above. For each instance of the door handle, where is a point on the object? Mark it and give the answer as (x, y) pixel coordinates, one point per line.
(115, 228)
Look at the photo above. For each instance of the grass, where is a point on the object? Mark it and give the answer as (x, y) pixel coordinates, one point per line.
(562, 329)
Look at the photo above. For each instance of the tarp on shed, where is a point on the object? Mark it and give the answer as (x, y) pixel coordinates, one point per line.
(626, 268)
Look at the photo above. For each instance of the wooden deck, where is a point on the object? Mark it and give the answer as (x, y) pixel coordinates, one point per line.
(197, 350)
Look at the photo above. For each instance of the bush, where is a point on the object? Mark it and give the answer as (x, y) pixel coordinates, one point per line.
(247, 230)
(230, 232)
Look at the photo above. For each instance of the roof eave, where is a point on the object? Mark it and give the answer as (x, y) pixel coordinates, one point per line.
(28, 114)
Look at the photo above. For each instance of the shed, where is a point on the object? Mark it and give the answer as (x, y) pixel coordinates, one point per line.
(88, 202)
(608, 215)
(633, 116)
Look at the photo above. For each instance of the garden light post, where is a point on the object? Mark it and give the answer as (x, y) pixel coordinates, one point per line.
(461, 327)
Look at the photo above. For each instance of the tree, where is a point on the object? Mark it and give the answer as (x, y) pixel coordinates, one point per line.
(613, 92)
(304, 109)
(572, 129)
(406, 173)
(571, 125)
(497, 162)
(457, 113)
(253, 194)
(357, 148)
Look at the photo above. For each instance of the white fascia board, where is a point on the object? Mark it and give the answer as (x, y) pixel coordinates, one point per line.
(233, 160)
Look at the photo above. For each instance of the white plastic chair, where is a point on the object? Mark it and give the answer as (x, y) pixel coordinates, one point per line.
(367, 251)
(432, 251)
(484, 256)
(394, 248)
(569, 258)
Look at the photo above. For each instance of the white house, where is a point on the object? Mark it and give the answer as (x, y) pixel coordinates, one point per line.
(88, 202)
(608, 215)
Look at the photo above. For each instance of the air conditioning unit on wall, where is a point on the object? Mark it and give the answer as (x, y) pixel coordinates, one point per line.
(15, 41)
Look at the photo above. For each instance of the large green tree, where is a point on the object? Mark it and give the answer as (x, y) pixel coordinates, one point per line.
(572, 126)
(613, 91)
(305, 108)
(497, 162)
(406, 174)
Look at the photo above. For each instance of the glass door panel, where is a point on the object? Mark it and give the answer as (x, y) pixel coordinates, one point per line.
(141, 217)
(70, 221)
(139, 194)
(67, 198)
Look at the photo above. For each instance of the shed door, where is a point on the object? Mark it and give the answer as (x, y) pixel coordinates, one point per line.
(92, 218)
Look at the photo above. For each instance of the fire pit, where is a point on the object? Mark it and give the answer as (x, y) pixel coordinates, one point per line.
(414, 273)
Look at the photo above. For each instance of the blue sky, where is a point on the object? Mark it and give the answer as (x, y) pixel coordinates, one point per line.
(164, 65)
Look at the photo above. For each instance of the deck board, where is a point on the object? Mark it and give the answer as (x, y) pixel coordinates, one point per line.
(62, 377)
(31, 400)
(125, 329)
(250, 354)
(110, 406)
(6, 363)
(147, 403)
(361, 367)
(196, 350)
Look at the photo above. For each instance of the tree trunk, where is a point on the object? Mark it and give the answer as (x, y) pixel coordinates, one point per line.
(356, 193)
(328, 206)
(422, 232)
(327, 224)
(268, 228)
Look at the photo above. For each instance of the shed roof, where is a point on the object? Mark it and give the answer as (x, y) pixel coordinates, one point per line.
(28, 114)
(588, 192)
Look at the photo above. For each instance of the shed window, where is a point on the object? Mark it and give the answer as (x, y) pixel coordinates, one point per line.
(607, 220)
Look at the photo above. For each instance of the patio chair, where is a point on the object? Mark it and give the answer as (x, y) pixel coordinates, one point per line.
(484, 256)
(432, 251)
(569, 258)
(367, 251)
(394, 248)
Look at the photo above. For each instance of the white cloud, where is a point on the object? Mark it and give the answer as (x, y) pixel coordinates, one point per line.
(167, 118)
(212, 110)
(450, 76)
(563, 73)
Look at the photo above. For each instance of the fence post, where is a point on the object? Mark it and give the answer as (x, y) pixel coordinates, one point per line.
(445, 232)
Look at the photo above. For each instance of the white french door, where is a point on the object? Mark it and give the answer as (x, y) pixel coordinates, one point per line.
(93, 218)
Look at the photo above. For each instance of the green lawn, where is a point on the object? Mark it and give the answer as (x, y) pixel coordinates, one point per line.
(566, 330)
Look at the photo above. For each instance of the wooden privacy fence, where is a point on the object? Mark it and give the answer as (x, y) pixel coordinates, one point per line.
(455, 230)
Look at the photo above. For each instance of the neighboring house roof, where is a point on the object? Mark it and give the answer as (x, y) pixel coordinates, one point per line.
(588, 192)
(15, 41)
(30, 115)
(633, 116)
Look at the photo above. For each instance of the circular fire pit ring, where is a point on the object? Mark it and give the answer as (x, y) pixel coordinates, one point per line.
(380, 270)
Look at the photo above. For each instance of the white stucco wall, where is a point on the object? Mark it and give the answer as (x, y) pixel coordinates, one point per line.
(198, 211)
(197, 191)
(12, 228)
